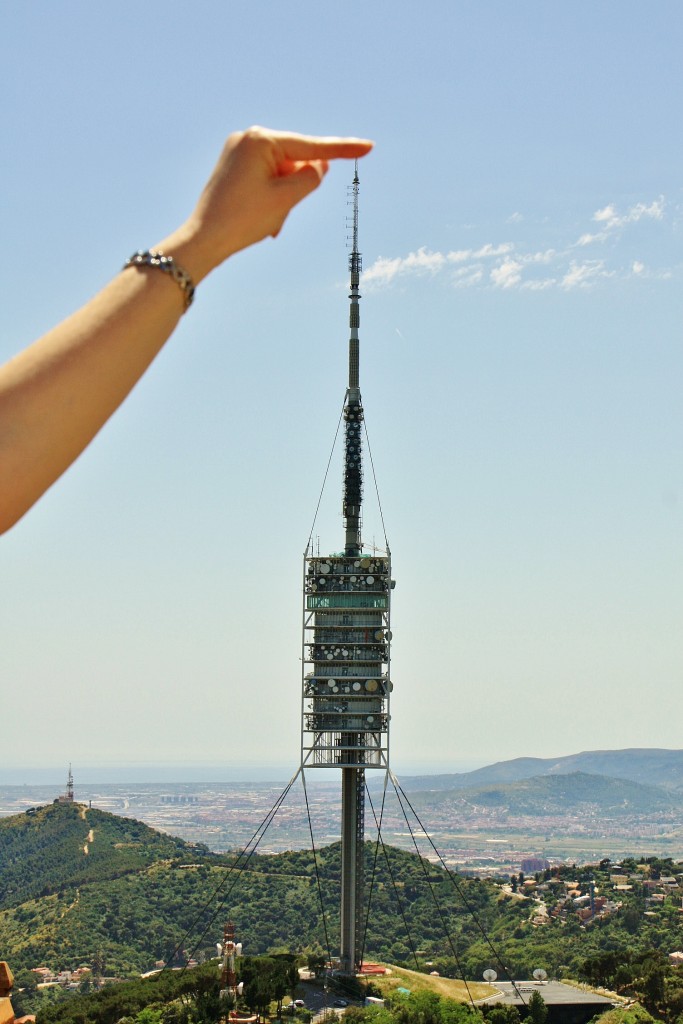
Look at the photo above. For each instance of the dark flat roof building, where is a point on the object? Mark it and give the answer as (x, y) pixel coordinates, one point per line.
(566, 1003)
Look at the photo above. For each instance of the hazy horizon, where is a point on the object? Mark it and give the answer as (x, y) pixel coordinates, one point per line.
(165, 772)
(150, 772)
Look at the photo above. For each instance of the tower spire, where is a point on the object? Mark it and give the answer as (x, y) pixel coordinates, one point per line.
(353, 409)
(355, 267)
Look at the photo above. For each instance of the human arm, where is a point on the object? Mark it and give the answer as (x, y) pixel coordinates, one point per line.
(57, 394)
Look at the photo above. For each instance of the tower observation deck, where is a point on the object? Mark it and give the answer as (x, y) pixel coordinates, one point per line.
(346, 648)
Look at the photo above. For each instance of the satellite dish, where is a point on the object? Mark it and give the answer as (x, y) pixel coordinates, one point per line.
(540, 974)
(371, 685)
(356, 686)
(489, 975)
(325, 567)
(371, 579)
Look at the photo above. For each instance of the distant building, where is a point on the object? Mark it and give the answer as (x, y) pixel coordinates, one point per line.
(530, 865)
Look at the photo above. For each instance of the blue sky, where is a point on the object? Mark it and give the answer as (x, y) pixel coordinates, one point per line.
(521, 228)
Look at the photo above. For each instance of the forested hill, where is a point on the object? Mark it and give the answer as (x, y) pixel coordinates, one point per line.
(63, 845)
(147, 895)
(653, 767)
(143, 894)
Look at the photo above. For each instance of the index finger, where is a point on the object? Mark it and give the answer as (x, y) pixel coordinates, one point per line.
(319, 147)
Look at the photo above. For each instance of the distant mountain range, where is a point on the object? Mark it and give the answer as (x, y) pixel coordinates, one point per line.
(577, 793)
(647, 767)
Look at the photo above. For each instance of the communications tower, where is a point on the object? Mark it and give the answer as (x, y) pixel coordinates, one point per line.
(346, 648)
(228, 950)
(68, 796)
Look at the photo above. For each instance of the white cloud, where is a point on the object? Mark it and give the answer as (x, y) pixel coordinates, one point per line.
(506, 265)
(546, 256)
(465, 277)
(484, 252)
(515, 218)
(384, 270)
(606, 215)
(508, 274)
(611, 219)
(588, 238)
(580, 275)
(655, 210)
(493, 250)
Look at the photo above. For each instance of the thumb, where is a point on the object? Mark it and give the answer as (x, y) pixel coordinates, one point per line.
(301, 182)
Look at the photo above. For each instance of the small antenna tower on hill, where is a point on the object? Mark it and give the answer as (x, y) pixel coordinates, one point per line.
(68, 796)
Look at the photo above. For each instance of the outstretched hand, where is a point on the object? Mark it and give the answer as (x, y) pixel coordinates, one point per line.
(57, 393)
(260, 176)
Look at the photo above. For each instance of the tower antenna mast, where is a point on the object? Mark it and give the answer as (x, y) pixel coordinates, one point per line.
(346, 647)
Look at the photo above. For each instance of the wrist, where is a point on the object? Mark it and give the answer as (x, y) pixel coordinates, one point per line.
(188, 247)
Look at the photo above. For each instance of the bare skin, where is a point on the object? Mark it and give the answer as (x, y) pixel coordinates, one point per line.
(57, 394)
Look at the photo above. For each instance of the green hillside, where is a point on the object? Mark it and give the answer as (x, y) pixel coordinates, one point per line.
(148, 894)
(145, 893)
(64, 845)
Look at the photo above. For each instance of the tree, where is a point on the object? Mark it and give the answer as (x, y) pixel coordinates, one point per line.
(538, 1011)
(500, 1014)
(316, 962)
(653, 988)
(631, 918)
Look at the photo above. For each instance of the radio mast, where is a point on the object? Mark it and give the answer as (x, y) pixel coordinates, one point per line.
(346, 648)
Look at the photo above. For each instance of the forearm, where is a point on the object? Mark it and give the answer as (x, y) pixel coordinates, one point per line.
(56, 394)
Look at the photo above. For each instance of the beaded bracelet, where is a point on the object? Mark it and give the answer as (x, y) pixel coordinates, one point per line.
(156, 258)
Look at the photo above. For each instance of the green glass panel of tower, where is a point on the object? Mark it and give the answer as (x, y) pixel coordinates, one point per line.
(346, 600)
